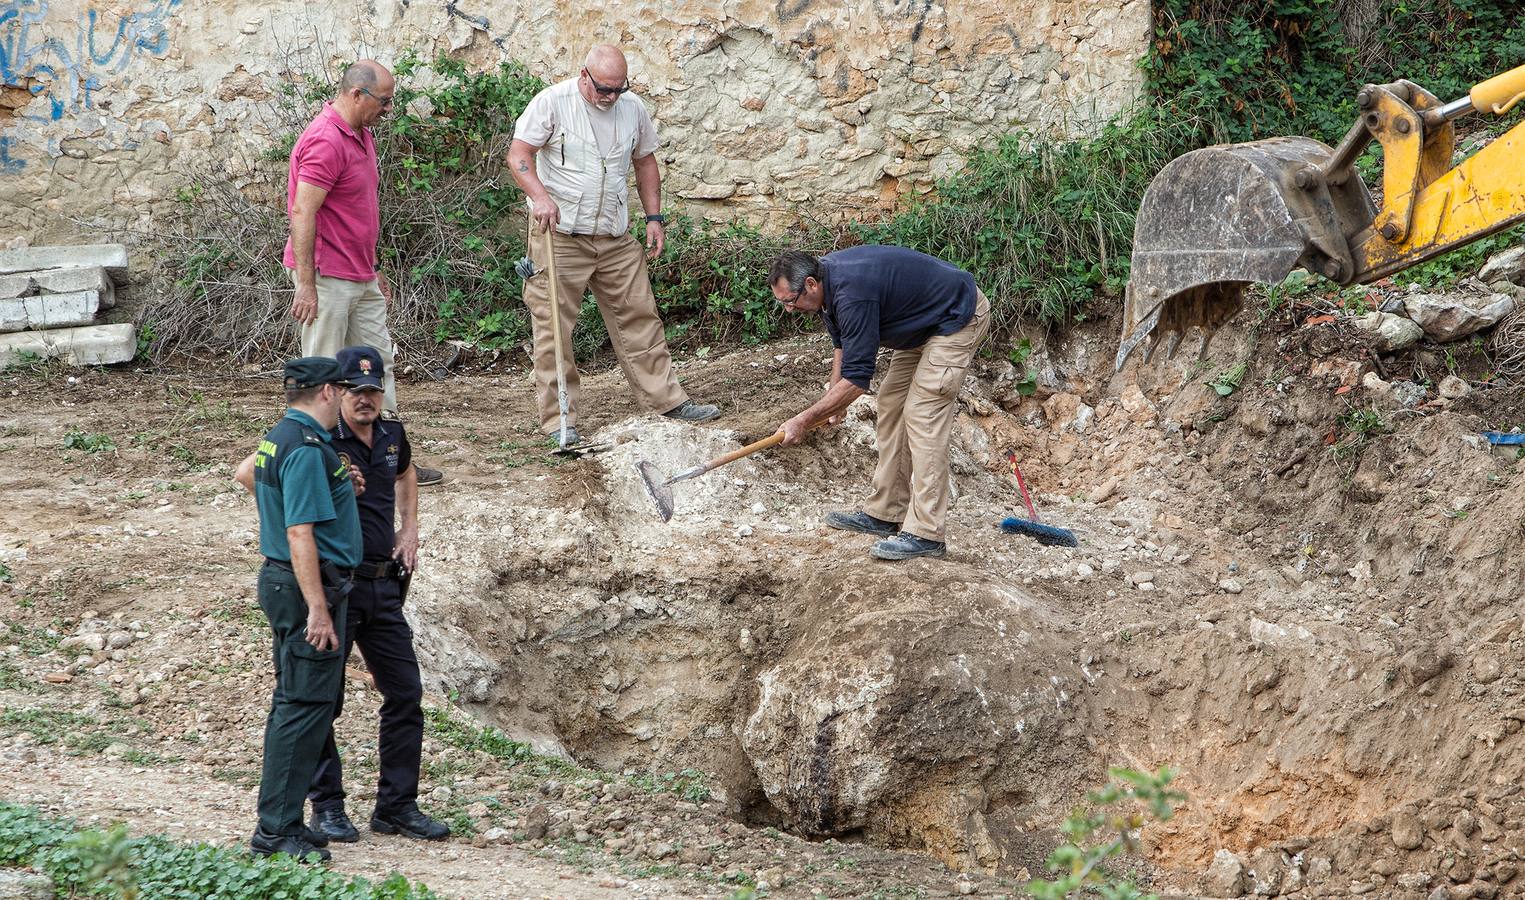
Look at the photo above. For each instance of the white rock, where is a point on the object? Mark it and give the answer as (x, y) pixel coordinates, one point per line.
(1453, 388)
(1393, 332)
(112, 257)
(1451, 317)
(1230, 586)
(759, 509)
(1508, 265)
(91, 345)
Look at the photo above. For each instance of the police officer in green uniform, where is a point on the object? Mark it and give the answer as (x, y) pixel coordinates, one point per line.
(309, 533)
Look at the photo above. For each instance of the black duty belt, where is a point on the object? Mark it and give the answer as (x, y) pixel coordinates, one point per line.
(329, 571)
(374, 570)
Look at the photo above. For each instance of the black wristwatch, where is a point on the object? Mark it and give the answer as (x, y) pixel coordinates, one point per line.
(658, 218)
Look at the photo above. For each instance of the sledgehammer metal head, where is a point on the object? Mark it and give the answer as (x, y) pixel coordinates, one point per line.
(658, 488)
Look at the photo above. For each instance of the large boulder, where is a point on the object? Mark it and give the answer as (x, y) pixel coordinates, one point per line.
(1451, 317)
(1506, 266)
(900, 710)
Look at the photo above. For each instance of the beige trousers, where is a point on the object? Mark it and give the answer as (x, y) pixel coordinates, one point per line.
(351, 313)
(614, 266)
(917, 402)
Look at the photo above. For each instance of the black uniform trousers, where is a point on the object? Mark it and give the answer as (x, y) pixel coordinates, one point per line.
(377, 624)
(307, 683)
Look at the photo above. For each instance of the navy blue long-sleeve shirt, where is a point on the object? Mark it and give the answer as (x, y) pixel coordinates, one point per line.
(879, 296)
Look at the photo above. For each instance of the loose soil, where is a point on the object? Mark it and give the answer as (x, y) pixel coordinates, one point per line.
(1301, 597)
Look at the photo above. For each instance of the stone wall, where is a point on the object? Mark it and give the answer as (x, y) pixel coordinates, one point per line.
(768, 110)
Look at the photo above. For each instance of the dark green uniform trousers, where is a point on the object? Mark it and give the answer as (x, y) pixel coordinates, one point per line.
(307, 685)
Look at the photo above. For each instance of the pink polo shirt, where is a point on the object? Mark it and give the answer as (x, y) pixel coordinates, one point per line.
(332, 156)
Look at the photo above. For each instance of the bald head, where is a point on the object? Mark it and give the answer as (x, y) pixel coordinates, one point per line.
(607, 64)
(365, 92)
(366, 74)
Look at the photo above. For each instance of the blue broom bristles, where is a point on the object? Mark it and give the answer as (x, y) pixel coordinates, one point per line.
(1043, 534)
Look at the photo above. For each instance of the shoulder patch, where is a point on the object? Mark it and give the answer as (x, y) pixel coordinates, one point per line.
(311, 438)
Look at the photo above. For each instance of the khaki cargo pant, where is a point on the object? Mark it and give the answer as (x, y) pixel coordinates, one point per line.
(917, 402)
(614, 266)
(351, 313)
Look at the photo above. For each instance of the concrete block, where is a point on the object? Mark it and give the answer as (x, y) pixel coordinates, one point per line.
(111, 257)
(60, 281)
(93, 345)
(41, 311)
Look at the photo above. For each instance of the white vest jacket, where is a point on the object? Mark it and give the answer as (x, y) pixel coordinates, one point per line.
(591, 188)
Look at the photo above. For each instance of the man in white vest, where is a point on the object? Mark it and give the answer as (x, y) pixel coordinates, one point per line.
(573, 151)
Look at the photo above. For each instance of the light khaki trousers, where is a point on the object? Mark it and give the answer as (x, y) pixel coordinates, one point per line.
(351, 313)
(917, 402)
(614, 266)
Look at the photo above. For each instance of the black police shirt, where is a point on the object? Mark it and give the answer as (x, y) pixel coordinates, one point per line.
(380, 463)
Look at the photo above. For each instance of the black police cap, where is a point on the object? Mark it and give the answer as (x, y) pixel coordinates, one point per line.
(313, 371)
(361, 365)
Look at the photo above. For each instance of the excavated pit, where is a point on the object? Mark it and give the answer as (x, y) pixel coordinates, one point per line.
(1320, 652)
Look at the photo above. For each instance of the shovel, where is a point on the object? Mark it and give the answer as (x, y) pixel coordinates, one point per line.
(526, 270)
(661, 491)
(1033, 526)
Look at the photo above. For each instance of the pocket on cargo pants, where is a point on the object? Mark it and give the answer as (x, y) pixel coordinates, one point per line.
(310, 675)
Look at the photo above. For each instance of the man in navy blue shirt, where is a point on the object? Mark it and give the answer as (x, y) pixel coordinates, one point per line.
(375, 450)
(932, 316)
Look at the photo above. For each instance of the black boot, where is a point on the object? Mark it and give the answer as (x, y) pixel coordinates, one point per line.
(296, 846)
(410, 822)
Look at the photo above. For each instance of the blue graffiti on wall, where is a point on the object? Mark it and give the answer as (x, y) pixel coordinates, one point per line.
(68, 70)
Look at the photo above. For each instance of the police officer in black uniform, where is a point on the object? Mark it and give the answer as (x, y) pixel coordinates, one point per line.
(378, 449)
(310, 537)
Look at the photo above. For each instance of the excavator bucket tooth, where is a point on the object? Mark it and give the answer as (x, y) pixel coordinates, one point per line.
(1218, 219)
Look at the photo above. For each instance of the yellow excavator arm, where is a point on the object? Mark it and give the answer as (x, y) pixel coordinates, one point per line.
(1218, 219)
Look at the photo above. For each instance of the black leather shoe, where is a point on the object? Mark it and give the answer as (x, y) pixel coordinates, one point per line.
(333, 825)
(266, 844)
(409, 823)
(862, 523)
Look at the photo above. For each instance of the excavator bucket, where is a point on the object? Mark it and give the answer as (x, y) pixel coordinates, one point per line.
(1218, 219)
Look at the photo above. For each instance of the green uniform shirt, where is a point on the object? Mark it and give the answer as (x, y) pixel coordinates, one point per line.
(299, 478)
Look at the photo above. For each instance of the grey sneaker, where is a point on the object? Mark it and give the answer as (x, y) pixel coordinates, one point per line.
(862, 522)
(906, 545)
(428, 476)
(555, 436)
(689, 411)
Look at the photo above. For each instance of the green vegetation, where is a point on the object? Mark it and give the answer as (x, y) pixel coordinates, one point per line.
(448, 728)
(93, 862)
(88, 441)
(1292, 66)
(1110, 828)
(1045, 224)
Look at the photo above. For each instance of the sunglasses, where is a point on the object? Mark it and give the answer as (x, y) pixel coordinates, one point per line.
(604, 89)
(384, 101)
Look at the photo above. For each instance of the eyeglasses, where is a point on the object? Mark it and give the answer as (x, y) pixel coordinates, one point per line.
(604, 89)
(789, 303)
(384, 101)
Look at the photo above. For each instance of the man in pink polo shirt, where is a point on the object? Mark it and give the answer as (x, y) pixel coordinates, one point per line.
(341, 297)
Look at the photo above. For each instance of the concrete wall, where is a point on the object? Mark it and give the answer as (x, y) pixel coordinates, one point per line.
(768, 109)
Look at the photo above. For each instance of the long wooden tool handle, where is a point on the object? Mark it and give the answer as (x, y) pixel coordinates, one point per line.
(772, 440)
(561, 370)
